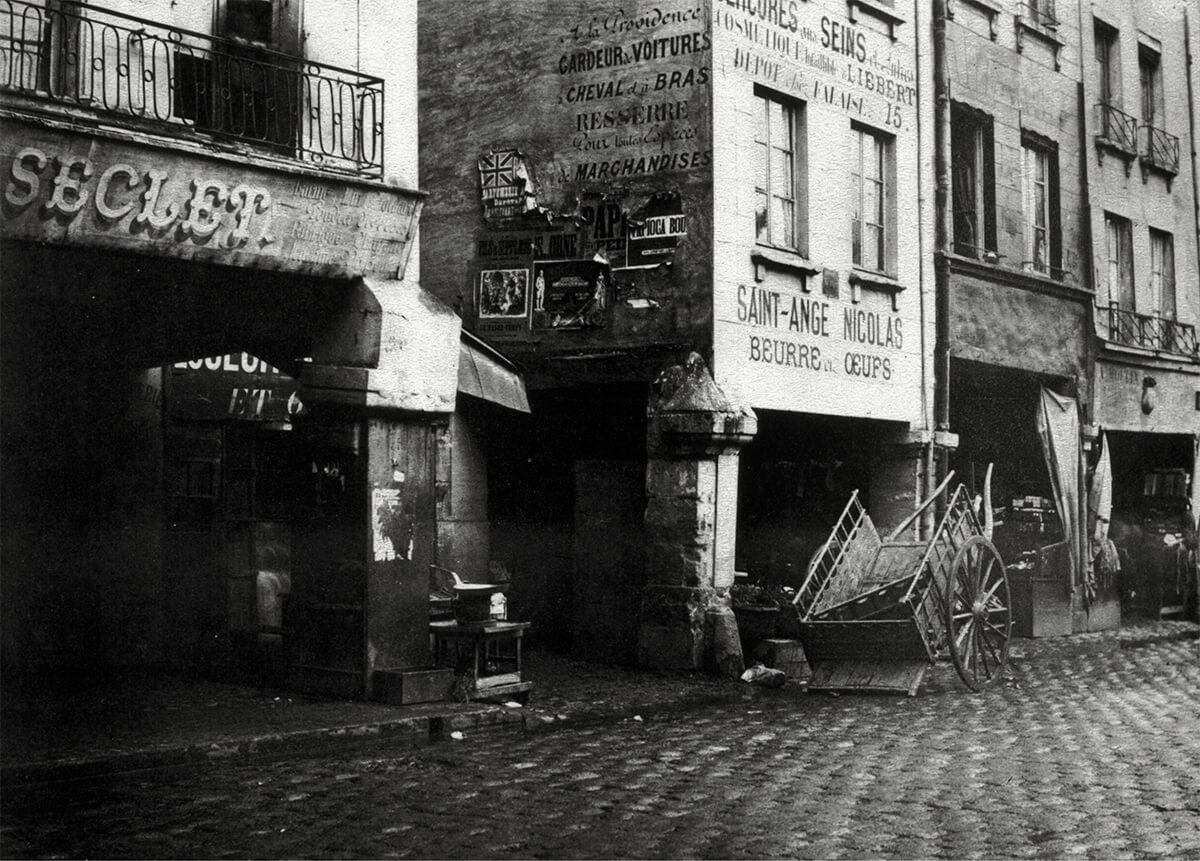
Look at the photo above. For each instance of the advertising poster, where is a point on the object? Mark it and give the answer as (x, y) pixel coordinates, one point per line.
(503, 293)
(570, 294)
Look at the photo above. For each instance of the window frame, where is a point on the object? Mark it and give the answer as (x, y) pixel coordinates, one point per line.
(1041, 149)
(1162, 274)
(1119, 256)
(1108, 71)
(1153, 104)
(972, 147)
(795, 116)
(883, 157)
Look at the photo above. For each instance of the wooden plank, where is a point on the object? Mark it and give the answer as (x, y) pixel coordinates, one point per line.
(902, 677)
(883, 640)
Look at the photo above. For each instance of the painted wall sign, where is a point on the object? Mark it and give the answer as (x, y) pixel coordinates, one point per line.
(633, 83)
(232, 386)
(822, 57)
(571, 294)
(1119, 392)
(826, 348)
(62, 186)
(798, 325)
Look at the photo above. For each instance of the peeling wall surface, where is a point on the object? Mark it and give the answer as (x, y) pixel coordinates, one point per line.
(569, 213)
(805, 323)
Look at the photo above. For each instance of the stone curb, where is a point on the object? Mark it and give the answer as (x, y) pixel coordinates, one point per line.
(536, 723)
(482, 718)
(416, 729)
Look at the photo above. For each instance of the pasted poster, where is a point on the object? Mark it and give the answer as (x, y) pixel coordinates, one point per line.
(503, 293)
(655, 232)
(503, 181)
(570, 294)
(393, 532)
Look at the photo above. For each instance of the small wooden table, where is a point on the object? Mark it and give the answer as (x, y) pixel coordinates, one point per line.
(487, 654)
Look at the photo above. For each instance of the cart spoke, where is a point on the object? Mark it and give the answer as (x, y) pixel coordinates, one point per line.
(977, 613)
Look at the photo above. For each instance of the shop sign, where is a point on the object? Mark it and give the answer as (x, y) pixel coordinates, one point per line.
(232, 386)
(67, 187)
(781, 347)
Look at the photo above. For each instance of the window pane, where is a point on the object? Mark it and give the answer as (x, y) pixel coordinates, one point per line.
(856, 241)
(780, 128)
(786, 234)
(781, 173)
(760, 218)
(872, 245)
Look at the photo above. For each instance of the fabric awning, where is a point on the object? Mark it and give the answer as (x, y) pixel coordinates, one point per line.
(484, 373)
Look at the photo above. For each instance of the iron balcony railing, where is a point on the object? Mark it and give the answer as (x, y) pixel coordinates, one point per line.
(117, 64)
(1117, 127)
(1160, 149)
(1131, 329)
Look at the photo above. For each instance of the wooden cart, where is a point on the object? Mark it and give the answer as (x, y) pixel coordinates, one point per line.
(876, 612)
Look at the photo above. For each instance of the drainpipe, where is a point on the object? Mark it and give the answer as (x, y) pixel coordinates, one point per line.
(925, 485)
(1187, 52)
(941, 260)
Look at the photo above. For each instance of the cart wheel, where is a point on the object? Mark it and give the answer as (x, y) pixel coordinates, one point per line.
(978, 613)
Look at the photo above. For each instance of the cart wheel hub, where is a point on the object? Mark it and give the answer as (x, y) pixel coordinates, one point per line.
(979, 610)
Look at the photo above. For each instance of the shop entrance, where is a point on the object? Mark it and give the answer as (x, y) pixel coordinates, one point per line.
(1152, 475)
(264, 560)
(794, 480)
(994, 411)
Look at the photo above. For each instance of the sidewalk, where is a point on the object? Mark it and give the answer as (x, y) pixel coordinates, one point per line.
(153, 721)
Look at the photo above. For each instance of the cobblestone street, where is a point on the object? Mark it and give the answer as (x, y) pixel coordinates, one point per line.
(1076, 755)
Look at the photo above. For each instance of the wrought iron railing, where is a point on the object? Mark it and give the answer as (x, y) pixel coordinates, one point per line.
(1149, 332)
(1117, 127)
(109, 62)
(1160, 148)
(1041, 13)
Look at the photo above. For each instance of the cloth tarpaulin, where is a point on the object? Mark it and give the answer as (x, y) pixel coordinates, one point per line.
(1058, 428)
(1105, 559)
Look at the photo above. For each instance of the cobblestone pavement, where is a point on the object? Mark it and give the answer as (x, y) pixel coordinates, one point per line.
(1077, 755)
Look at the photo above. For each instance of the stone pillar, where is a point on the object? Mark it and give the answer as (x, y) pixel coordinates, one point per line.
(693, 434)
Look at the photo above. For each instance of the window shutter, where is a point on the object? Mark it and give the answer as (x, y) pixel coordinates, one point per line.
(989, 183)
(1056, 255)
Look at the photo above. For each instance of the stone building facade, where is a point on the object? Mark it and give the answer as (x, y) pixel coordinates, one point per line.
(738, 181)
(223, 388)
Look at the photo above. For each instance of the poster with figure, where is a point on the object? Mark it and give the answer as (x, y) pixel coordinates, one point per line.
(571, 294)
(503, 293)
(392, 532)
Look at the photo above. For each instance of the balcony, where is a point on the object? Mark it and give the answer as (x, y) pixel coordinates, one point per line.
(1117, 132)
(1129, 329)
(1160, 152)
(162, 78)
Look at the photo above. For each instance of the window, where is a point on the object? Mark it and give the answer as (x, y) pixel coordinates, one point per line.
(1150, 71)
(1043, 225)
(1042, 12)
(780, 208)
(241, 89)
(973, 171)
(1107, 68)
(1118, 243)
(1162, 272)
(873, 184)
